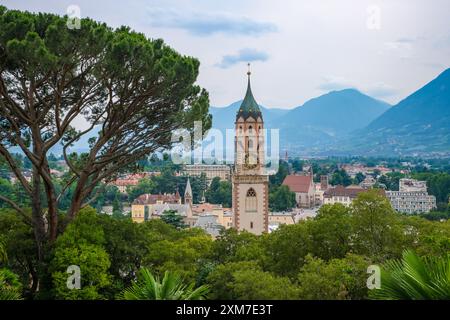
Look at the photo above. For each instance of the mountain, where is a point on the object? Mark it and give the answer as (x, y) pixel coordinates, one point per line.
(325, 119)
(417, 125)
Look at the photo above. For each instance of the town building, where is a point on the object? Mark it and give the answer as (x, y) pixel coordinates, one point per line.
(150, 206)
(412, 185)
(279, 218)
(341, 194)
(412, 197)
(250, 183)
(131, 180)
(368, 182)
(210, 217)
(304, 189)
(211, 171)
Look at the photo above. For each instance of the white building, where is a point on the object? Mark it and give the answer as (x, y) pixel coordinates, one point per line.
(210, 171)
(342, 195)
(412, 197)
(412, 185)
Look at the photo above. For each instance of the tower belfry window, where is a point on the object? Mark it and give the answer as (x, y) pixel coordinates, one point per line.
(251, 201)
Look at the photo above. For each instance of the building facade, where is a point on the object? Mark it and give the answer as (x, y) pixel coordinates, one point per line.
(210, 171)
(342, 195)
(304, 189)
(250, 183)
(412, 197)
(150, 206)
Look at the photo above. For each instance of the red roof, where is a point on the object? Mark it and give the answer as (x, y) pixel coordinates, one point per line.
(125, 182)
(153, 198)
(298, 183)
(350, 191)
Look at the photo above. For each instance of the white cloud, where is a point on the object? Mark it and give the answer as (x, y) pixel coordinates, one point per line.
(207, 23)
(243, 55)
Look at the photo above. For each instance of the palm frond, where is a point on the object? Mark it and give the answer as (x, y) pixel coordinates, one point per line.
(415, 278)
(171, 287)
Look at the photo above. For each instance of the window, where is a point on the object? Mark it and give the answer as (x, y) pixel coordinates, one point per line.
(250, 201)
(250, 129)
(251, 225)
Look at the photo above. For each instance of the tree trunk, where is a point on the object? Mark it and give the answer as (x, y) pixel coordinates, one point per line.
(78, 196)
(36, 214)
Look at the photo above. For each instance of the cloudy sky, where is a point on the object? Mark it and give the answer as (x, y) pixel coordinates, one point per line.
(298, 49)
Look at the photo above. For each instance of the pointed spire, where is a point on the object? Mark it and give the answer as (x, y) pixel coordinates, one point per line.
(249, 106)
(188, 191)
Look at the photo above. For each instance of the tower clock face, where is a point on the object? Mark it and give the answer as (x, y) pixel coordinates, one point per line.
(247, 164)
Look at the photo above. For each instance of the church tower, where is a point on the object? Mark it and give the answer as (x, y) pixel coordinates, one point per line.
(250, 183)
(188, 193)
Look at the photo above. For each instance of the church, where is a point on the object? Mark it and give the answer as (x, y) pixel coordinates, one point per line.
(250, 183)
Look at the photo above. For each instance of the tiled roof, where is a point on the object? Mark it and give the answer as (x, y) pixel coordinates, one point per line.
(153, 198)
(297, 183)
(126, 182)
(350, 191)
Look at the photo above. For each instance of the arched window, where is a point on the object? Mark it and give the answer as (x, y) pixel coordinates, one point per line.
(250, 144)
(250, 129)
(250, 201)
(240, 129)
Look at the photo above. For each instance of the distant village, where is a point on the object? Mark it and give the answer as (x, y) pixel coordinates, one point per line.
(412, 196)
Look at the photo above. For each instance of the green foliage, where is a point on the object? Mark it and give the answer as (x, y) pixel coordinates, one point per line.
(234, 246)
(81, 245)
(117, 208)
(181, 251)
(278, 178)
(126, 244)
(391, 180)
(331, 232)
(3, 253)
(438, 184)
(415, 278)
(337, 279)
(281, 199)
(171, 287)
(286, 249)
(245, 280)
(321, 258)
(260, 285)
(359, 177)
(219, 192)
(144, 186)
(10, 286)
(173, 218)
(94, 264)
(19, 244)
(377, 231)
(427, 237)
(340, 177)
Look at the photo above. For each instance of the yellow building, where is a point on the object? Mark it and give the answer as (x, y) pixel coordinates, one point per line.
(148, 205)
